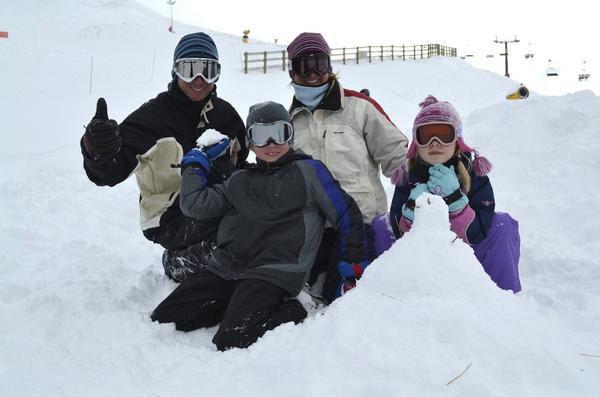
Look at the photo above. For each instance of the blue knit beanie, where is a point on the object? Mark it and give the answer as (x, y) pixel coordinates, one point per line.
(196, 45)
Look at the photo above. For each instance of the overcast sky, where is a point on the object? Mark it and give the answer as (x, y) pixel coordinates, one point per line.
(562, 30)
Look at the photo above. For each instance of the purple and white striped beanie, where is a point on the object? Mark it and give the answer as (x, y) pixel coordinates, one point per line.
(308, 43)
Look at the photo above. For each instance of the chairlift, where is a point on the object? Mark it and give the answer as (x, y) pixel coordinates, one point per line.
(468, 53)
(584, 75)
(529, 54)
(551, 71)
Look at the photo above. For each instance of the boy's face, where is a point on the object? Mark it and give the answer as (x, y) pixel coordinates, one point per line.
(271, 152)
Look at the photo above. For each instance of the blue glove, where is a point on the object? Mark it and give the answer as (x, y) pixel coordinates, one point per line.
(218, 149)
(408, 207)
(458, 205)
(196, 158)
(444, 182)
(349, 273)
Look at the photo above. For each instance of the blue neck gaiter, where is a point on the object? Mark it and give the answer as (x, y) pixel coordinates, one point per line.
(310, 96)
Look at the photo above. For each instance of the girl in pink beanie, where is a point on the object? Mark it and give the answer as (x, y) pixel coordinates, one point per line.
(441, 163)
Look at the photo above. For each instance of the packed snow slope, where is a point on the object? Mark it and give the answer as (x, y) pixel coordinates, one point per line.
(79, 280)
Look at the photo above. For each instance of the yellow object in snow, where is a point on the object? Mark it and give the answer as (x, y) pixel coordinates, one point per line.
(521, 93)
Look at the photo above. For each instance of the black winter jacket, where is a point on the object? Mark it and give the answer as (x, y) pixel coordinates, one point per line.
(157, 135)
(274, 215)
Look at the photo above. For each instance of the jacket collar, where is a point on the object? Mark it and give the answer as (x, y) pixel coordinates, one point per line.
(333, 100)
(181, 99)
(291, 155)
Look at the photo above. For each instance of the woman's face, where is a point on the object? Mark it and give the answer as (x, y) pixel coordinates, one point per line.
(311, 79)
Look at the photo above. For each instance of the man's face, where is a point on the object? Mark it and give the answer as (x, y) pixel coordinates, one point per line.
(197, 90)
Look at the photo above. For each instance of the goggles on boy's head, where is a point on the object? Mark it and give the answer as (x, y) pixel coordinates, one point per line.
(303, 65)
(444, 134)
(279, 132)
(187, 69)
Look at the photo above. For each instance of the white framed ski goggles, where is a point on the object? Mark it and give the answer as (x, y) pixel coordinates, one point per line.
(187, 69)
(279, 132)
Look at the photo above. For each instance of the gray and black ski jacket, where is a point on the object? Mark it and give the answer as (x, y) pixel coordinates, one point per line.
(274, 216)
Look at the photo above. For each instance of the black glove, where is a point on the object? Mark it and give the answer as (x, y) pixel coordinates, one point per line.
(101, 138)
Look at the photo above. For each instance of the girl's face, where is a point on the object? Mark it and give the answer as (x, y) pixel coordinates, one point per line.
(435, 153)
(438, 143)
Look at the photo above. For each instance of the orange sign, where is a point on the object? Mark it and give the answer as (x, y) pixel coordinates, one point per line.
(4, 35)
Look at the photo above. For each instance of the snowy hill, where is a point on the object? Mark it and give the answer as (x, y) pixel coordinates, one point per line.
(79, 280)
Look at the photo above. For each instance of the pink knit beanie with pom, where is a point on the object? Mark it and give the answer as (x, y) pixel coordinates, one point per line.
(441, 112)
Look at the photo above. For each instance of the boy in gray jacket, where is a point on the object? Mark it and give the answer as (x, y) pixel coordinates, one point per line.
(273, 219)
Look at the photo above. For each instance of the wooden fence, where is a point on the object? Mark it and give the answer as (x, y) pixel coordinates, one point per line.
(278, 59)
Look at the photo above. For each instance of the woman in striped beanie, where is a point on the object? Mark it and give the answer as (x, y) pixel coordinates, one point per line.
(346, 130)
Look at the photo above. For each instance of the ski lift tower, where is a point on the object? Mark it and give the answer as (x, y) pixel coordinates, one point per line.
(505, 55)
(171, 3)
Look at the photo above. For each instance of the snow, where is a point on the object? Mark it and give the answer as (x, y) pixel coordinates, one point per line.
(79, 280)
(210, 137)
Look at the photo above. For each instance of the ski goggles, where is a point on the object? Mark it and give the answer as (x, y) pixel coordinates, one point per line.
(187, 69)
(279, 132)
(443, 133)
(304, 65)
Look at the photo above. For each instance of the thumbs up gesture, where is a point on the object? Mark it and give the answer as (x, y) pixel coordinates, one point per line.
(101, 138)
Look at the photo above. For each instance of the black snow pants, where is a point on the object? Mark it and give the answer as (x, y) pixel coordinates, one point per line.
(245, 309)
(188, 244)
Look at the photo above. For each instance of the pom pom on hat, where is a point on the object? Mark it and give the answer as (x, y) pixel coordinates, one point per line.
(400, 176)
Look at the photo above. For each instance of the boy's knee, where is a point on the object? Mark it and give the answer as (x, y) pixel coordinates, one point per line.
(233, 337)
(289, 311)
(241, 334)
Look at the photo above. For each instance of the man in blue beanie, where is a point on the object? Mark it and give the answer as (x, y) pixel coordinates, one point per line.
(154, 137)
